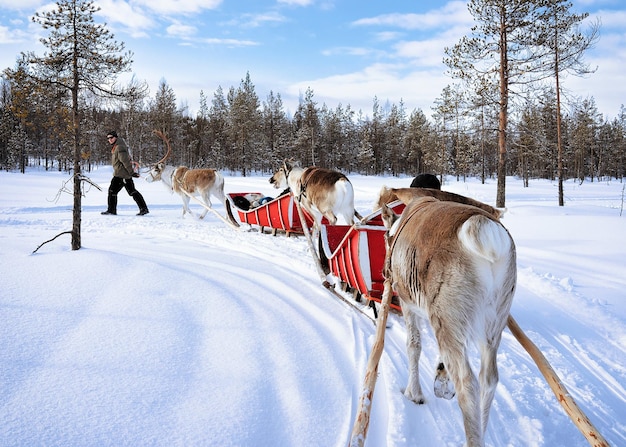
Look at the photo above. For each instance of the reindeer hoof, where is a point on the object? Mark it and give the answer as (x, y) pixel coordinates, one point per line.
(444, 388)
(418, 399)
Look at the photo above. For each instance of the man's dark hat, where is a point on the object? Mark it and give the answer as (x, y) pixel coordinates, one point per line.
(112, 134)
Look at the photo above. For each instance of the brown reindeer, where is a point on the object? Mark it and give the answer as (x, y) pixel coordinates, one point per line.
(191, 182)
(406, 195)
(322, 192)
(456, 264)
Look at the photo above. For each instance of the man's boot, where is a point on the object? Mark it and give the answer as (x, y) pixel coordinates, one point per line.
(112, 205)
(141, 203)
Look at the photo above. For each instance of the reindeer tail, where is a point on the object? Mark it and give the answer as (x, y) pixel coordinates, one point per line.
(486, 238)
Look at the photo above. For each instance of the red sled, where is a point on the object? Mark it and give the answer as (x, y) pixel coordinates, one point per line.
(355, 254)
(279, 214)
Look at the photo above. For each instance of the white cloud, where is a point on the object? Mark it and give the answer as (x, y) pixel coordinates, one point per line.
(428, 52)
(296, 2)
(7, 35)
(13, 36)
(175, 7)
(350, 51)
(177, 29)
(256, 20)
(387, 82)
(135, 21)
(610, 19)
(387, 36)
(229, 42)
(141, 16)
(21, 5)
(452, 13)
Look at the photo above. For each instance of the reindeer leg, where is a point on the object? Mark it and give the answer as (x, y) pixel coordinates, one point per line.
(315, 236)
(488, 379)
(413, 390)
(207, 202)
(186, 209)
(454, 356)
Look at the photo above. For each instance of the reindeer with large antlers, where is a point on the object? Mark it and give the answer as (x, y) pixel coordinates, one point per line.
(188, 183)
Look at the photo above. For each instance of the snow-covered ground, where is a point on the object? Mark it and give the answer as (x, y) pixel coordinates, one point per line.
(165, 331)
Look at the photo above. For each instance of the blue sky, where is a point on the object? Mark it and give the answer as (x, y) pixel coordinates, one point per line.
(347, 51)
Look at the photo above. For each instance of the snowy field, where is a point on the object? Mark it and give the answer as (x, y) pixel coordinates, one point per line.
(164, 331)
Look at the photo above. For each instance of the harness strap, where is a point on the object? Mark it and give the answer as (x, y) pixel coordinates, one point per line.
(304, 185)
(172, 180)
(401, 226)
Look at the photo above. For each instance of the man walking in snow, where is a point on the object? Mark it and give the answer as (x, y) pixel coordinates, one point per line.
(123, 174)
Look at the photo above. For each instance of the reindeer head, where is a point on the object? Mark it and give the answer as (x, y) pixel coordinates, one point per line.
(154, 175)
(389, 218)
(280, 176)
(386, 195)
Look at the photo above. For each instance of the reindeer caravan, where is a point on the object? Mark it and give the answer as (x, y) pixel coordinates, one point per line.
(424, 252)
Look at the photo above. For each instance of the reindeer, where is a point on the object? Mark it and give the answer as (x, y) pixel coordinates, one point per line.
(190, 182)
(322, 192)
(406, 195)
(456, 264)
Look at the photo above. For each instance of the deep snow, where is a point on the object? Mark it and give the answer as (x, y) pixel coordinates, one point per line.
(166, 331)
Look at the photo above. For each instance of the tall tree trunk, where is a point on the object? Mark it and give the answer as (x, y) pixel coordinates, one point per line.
(559, 141)
(76, 211)
(503, 115)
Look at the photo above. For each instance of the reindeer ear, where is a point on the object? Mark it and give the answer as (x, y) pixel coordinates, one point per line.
(382, 195)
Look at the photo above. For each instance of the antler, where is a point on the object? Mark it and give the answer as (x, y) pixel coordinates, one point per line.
(166, 140)
(288, 165)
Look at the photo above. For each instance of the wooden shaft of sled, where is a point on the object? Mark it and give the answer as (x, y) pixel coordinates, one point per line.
(362, 420)
(307, 235)
(208, 208)
(563, 396)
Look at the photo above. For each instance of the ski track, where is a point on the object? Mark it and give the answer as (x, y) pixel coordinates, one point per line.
(157, 352)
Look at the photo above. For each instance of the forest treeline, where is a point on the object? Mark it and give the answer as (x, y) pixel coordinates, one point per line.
(507, 115)
(237, 131)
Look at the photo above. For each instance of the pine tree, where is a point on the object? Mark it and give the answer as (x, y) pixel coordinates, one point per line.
(563, 45)
(498, 49)
(244, 123)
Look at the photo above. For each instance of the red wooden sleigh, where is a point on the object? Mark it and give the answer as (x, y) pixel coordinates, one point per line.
(355, 254)
(279, 214)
